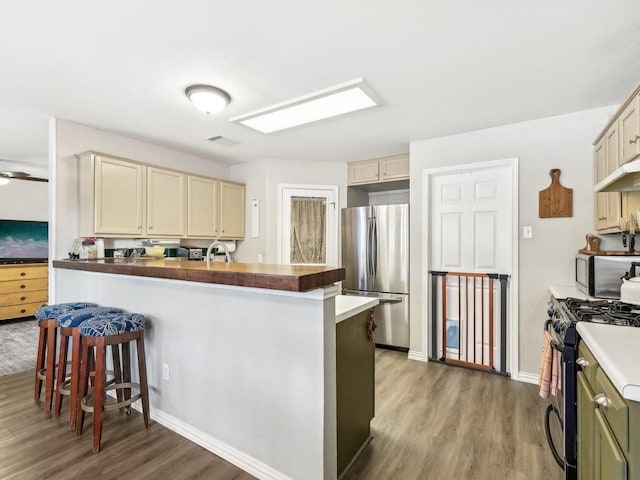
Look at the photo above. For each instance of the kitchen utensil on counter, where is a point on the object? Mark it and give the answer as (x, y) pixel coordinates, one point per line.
(593, 244)
(623, 227)
(630, 289)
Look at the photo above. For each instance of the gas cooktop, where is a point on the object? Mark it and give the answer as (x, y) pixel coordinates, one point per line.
(604, 311)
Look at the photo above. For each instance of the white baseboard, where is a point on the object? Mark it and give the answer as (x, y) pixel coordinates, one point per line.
(227, 452)
(417, 355)
(528, 377)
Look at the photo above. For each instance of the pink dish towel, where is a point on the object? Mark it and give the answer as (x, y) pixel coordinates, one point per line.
(549, 377)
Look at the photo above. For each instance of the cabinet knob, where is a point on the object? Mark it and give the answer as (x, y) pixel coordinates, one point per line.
(582, 362)
(634, 140)
(150, 227)
(23, 311)
(601, 400)
(23, 286)
(22, 274)
(22, 299)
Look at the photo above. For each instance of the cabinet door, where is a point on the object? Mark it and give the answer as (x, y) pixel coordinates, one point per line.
(629, 124)
(610, 464)
(118, 197)
(363, 172)
(202, 215)
(394, 168)
(165, 202)
(586, 417)
(607, 204)
(231, 210)
(611, 144)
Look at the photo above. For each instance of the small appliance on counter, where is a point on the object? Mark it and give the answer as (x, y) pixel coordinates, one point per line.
(190, 253)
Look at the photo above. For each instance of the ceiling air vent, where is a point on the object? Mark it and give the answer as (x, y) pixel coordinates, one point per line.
(224, 141)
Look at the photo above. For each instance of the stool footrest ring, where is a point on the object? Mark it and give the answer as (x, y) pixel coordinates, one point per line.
(88, 407)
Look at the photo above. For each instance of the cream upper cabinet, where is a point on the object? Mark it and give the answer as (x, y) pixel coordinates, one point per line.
(608, 204)
(394, 168)
(385, 169)
(364, 172)
(629, 125)
(231, 210)
(202, 207)
(123, 198)
(111, 196)
(611, 144)
(165, 202)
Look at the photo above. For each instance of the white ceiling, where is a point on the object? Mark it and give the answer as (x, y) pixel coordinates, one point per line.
(440, 66)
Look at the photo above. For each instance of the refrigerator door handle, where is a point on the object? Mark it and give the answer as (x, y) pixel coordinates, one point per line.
(374, 248)
(391, 300)
(370, 247)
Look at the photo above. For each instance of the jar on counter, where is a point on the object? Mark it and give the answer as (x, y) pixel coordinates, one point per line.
(89, 250)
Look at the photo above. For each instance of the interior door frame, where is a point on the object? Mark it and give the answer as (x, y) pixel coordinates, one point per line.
(333, 227)
(513, 327)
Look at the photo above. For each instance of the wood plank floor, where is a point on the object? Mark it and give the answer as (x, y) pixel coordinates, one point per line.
(432, 422)
(435, 421)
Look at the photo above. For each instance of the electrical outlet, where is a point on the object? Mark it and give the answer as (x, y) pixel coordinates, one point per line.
(165, 371)
(259, 258)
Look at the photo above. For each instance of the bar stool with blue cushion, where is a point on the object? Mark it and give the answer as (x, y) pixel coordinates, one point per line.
(116, 330)
(68, 326)
(47, 317)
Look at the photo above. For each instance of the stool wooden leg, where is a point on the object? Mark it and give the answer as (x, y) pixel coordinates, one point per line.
(144, 388)
(126, 373)
(51, 364)
(117, 370)
(83, 386)
(75, 377)
(42, 346)
(62, 372)
(98, 393)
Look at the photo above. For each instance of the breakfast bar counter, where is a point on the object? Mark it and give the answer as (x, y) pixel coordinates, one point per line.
(241, 358)
(294, 278)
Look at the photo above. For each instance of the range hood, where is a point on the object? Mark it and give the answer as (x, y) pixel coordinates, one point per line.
(624, 179)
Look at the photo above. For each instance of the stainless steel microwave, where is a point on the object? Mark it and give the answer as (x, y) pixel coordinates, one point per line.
(601, 275)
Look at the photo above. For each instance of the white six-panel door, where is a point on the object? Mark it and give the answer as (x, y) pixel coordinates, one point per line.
(471, 213)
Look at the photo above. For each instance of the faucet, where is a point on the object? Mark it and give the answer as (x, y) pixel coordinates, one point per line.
(227, 255)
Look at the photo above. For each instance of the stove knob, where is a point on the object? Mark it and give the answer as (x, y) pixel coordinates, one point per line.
(551, 311)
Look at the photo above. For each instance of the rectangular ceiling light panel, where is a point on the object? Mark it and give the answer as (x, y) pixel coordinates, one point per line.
(329, 103)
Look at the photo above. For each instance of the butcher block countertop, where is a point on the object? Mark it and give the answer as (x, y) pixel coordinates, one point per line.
(616, 350)
(293, 278)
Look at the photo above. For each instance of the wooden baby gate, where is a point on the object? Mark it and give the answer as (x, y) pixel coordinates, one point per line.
(463, 311)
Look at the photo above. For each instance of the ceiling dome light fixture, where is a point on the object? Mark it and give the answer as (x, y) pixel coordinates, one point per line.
(209, 100)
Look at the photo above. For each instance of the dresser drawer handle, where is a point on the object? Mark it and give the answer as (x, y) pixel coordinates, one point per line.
(23, 286)
(23, 311)
(22, 274)
(601, 400)
(582, 362)
(22, 299)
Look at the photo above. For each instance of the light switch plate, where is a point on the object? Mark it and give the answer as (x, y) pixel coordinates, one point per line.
(527, 231)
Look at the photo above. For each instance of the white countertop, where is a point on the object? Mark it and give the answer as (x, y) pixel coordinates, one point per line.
(616, 349)
(349, 305)
(565, 291)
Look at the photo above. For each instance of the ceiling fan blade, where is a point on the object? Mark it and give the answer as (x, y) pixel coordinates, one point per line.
(21, 176)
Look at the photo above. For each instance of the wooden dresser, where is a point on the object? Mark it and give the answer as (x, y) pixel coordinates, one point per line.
(23, 289)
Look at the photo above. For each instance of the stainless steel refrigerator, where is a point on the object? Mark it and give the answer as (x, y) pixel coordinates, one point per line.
(375, 255)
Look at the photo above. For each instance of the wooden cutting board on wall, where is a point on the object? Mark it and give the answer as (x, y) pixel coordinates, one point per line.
(555, 200)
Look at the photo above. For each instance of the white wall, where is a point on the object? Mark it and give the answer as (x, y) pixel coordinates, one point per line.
(563, 142)
(24, 200)
(72, 138)
(262, 178)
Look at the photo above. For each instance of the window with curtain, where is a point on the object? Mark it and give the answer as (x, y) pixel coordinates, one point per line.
(308, 230)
